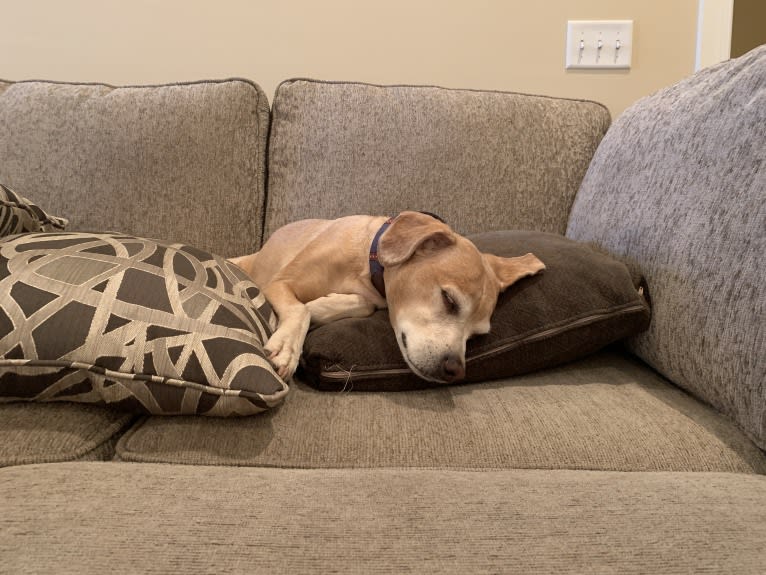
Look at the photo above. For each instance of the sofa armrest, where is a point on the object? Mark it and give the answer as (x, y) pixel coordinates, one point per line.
(677, 189)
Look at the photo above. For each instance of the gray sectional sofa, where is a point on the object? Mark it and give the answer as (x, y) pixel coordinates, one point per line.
(646, 456)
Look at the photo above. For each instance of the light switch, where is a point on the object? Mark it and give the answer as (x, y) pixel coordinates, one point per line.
(599, 44)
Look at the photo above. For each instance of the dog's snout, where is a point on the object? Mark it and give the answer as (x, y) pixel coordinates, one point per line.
(452, 368)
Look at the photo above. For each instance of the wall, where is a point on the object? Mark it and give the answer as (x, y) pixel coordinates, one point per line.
(512, 45)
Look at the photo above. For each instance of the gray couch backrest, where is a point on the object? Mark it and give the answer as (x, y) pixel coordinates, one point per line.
(678, 189)
(482, 160)
(179, 162)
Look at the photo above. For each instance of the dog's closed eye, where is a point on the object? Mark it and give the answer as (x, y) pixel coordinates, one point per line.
(450, 304)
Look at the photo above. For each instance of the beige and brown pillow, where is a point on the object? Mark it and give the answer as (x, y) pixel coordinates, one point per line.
(135, 323)
(583, 301)
(18, 215)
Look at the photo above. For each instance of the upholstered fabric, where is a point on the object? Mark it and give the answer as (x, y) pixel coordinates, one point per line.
(180, 162)
(110, 518)
(19, 215)
(37, 433)
(582, 301)
(606, 412)
(678, 190)
(482, 160)
(134, 323)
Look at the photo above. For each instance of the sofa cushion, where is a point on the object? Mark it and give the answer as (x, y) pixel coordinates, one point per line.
(19, 215)
(482, 160)
(582, 301)
(180, 162)
(134, 323)
(677, 189)
(252, 521)
(607, 412)
(46, 433)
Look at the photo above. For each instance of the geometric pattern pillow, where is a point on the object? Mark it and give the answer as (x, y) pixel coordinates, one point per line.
(137, 324)
(19, 215)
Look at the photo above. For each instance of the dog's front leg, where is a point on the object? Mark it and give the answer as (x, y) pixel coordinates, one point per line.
(337, 306)
(285, 345)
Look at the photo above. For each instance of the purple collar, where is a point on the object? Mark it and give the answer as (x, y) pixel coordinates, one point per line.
(376, 268)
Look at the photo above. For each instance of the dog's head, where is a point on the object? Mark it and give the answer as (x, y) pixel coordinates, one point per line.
(441, 290)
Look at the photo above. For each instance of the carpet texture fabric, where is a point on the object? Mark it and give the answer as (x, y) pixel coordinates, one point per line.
(176, 156)
(677, 189)
(252, 521)
(606, 412)
(36, 433)
(473, 157)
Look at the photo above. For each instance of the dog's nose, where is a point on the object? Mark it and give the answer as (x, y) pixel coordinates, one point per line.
(452, 368)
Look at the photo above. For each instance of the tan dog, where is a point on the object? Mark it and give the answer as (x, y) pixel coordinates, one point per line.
(439, 289)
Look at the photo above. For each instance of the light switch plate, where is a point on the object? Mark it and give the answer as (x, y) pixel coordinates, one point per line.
(599, 44)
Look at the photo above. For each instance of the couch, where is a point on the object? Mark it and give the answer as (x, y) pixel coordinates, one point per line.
(645, 456)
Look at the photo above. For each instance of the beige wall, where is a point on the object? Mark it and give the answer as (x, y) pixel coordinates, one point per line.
(513, 45)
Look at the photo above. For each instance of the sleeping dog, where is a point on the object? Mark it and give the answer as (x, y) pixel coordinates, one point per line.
(439, 289)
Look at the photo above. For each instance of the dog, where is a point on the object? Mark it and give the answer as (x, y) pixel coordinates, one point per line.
(440, 290)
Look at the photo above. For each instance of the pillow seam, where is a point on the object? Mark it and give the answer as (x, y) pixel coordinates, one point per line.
(21, 364)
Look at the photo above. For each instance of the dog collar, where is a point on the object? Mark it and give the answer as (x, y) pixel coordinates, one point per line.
(376, 268)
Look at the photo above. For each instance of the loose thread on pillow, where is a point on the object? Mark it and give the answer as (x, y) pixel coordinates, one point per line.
(346, 386)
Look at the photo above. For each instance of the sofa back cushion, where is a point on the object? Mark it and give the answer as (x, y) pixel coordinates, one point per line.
(182, 162)
(481, 160)
(678, 189)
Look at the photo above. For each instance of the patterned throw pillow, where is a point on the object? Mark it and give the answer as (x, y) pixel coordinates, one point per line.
(19, 215)
(134, 323)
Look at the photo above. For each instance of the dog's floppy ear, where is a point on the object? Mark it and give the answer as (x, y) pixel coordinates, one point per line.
(510, 270)
(410, 232)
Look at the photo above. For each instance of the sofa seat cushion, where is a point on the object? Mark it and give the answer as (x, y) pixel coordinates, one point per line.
(606, 412)
(180, 162)
(677, 188)
(134, 323)
(36, 433)
(471, 156)
(89, 518)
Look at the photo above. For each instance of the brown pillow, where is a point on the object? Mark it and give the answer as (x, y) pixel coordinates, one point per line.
(583, 301)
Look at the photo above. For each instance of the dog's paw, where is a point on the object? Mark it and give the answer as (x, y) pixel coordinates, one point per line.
(283, 354)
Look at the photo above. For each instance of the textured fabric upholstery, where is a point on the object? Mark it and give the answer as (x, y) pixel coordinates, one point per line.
(94, 518)
(182, 162)
(607, 413)
(481, 160)
(678, 190)
(34, 433)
